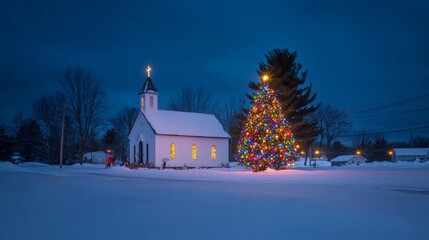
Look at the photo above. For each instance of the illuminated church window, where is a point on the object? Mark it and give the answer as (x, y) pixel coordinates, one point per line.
(172, 151)
(194, 151)
(213, 152)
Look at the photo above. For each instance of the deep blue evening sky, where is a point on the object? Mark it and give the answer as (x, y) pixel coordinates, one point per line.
(360, 54)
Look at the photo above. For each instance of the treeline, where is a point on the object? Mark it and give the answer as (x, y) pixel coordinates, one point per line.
(320, 129)
(372, 147)
(80, 106)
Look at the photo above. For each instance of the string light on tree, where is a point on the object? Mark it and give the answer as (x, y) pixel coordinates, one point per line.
(266, 139)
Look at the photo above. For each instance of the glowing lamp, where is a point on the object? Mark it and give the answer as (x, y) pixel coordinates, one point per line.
(264, 78)
(358, 152)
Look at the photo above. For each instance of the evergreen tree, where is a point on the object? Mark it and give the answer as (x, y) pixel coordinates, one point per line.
(421, 142)
(287, 78)
(109, 139)
(338, 149)
(5, 145)
(266, 139)
(93, 143)
(378, 150)
(30, 141)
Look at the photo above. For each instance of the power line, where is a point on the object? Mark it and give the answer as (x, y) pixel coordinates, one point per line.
(397, 126)
(383, 115)
(409, 100)
(397, 87)
(384, 132)
(396, 115)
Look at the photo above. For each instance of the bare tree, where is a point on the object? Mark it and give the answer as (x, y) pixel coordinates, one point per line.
(48, 111)
(190, 100)
(230, 111)
(361, 140)
(332, 122)
(122, 124)
(84, 100)
(231, 116)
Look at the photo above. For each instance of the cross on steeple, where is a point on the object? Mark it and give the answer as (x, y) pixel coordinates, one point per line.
(148, 71)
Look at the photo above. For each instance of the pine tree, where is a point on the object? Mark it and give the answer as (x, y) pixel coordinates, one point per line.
(378, 150)
(287, 78)
(5, 145)
(266, 139)
(109, 139)
(30, 141)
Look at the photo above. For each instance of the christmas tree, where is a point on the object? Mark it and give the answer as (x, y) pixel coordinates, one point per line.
(266, 139)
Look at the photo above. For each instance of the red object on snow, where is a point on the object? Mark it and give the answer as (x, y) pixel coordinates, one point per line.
(109, 161)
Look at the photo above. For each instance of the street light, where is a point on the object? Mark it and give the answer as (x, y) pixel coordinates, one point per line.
(358, 152)
(316, 154)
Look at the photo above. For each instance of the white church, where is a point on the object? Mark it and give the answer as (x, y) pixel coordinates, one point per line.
(175, 139)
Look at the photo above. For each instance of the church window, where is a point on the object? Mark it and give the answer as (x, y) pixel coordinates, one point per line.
(213, 152)
(142, 102)
(151, 101)
(194, 151)
(172, 151)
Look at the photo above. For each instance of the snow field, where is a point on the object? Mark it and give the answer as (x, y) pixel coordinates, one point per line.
(89, 202)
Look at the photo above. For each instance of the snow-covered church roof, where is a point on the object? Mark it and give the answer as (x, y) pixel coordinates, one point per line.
(185, 124)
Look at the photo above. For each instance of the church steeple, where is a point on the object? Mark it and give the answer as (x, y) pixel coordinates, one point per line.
(148, 85)
(148, 95)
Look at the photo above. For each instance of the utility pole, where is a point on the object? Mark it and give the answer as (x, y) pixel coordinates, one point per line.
(62, 134)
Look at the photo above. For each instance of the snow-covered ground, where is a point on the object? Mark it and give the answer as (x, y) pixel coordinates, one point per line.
(371, 201)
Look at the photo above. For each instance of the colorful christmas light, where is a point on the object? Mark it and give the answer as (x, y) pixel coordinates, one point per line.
(266, 139)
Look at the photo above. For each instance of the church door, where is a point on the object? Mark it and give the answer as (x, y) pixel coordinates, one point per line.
(134, 155)
(147, 153)
(140, 152)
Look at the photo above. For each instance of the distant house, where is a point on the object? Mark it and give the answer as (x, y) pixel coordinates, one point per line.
(410, 154)
(347, 160)
(99, 157)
